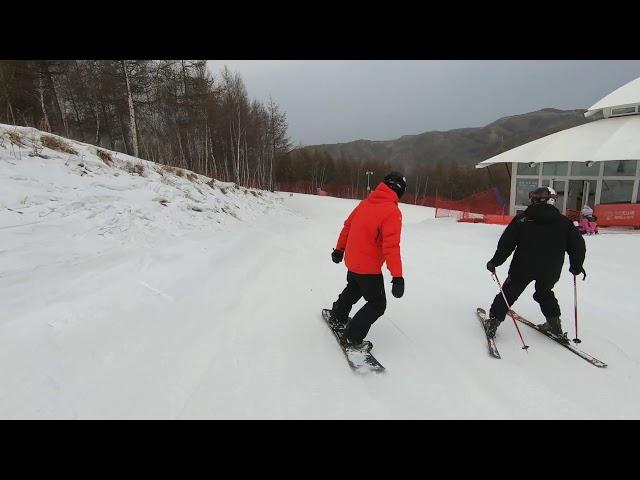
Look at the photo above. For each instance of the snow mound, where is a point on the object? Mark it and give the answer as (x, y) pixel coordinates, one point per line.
(45, 178)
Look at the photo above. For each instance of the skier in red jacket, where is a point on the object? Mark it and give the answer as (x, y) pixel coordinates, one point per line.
(370, 236)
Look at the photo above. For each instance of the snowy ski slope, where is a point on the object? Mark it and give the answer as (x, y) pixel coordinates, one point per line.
(158, 296)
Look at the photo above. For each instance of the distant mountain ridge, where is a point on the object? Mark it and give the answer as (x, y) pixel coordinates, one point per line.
(466, 146)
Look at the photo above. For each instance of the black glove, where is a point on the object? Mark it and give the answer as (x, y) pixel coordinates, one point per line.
(398, 287)
(337, 255)
(577, 271)
(491, 267)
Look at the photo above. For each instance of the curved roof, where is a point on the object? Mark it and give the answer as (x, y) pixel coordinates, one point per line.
(616, 138)
(625, 95)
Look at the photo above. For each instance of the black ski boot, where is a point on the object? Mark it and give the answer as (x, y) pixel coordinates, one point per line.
(363, 346)
(491, 325)
(553, 326)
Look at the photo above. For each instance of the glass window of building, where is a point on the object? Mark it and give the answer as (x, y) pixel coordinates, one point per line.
(620, 168)
(586, 169)
(555, 169)
(616, 191)
(523, 187)
(623, 111)
(581, 193)
(559, 187)
(525, 169)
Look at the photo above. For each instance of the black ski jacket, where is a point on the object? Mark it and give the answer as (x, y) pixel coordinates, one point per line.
(540, 236)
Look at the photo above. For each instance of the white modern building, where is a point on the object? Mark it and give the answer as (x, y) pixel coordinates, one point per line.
(595, 163)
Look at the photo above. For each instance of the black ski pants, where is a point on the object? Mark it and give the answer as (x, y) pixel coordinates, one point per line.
(371, 287)
(514, 287)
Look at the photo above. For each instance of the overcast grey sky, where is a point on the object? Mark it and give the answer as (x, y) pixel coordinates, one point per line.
(329, 101)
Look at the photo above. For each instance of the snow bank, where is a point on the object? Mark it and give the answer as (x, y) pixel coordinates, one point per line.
(120, 196)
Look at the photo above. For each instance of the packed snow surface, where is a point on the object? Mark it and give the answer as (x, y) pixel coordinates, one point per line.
(135, 292)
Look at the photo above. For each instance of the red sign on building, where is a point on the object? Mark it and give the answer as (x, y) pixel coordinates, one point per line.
(618, 215)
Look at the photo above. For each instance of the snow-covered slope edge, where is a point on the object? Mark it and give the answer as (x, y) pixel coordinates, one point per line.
(47, 178)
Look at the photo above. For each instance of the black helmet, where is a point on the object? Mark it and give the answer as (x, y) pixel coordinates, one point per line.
(543, 195)
(396, 182)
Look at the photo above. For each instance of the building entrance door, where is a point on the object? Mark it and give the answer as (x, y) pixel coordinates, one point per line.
(560, 187)
(581, 193)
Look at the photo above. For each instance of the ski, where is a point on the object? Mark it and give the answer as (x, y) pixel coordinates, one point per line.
(359, 361)
(491, 343)
(566, 343)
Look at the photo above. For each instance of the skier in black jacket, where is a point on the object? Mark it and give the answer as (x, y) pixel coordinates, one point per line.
(540, 236)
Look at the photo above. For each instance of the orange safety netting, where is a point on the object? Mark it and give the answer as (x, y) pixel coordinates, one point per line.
(488, 202)
(486, 218)
(481, 207)
(347, 191)
(313, 188)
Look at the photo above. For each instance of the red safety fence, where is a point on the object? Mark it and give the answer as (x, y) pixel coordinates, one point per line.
(488, 202)
(497, 219)
(347, 191)
(486, 218)
(618, 215)
(481, 207)
(423, 200)
(312, 188)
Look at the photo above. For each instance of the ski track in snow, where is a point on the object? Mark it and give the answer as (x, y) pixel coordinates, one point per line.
(118, 300)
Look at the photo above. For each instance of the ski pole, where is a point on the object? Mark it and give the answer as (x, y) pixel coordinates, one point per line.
(575, 308)
(524, 346)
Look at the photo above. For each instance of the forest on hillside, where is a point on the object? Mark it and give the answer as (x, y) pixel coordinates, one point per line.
(173, 112)
(176, 112)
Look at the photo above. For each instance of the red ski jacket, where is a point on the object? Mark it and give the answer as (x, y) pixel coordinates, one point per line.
(371, 234)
